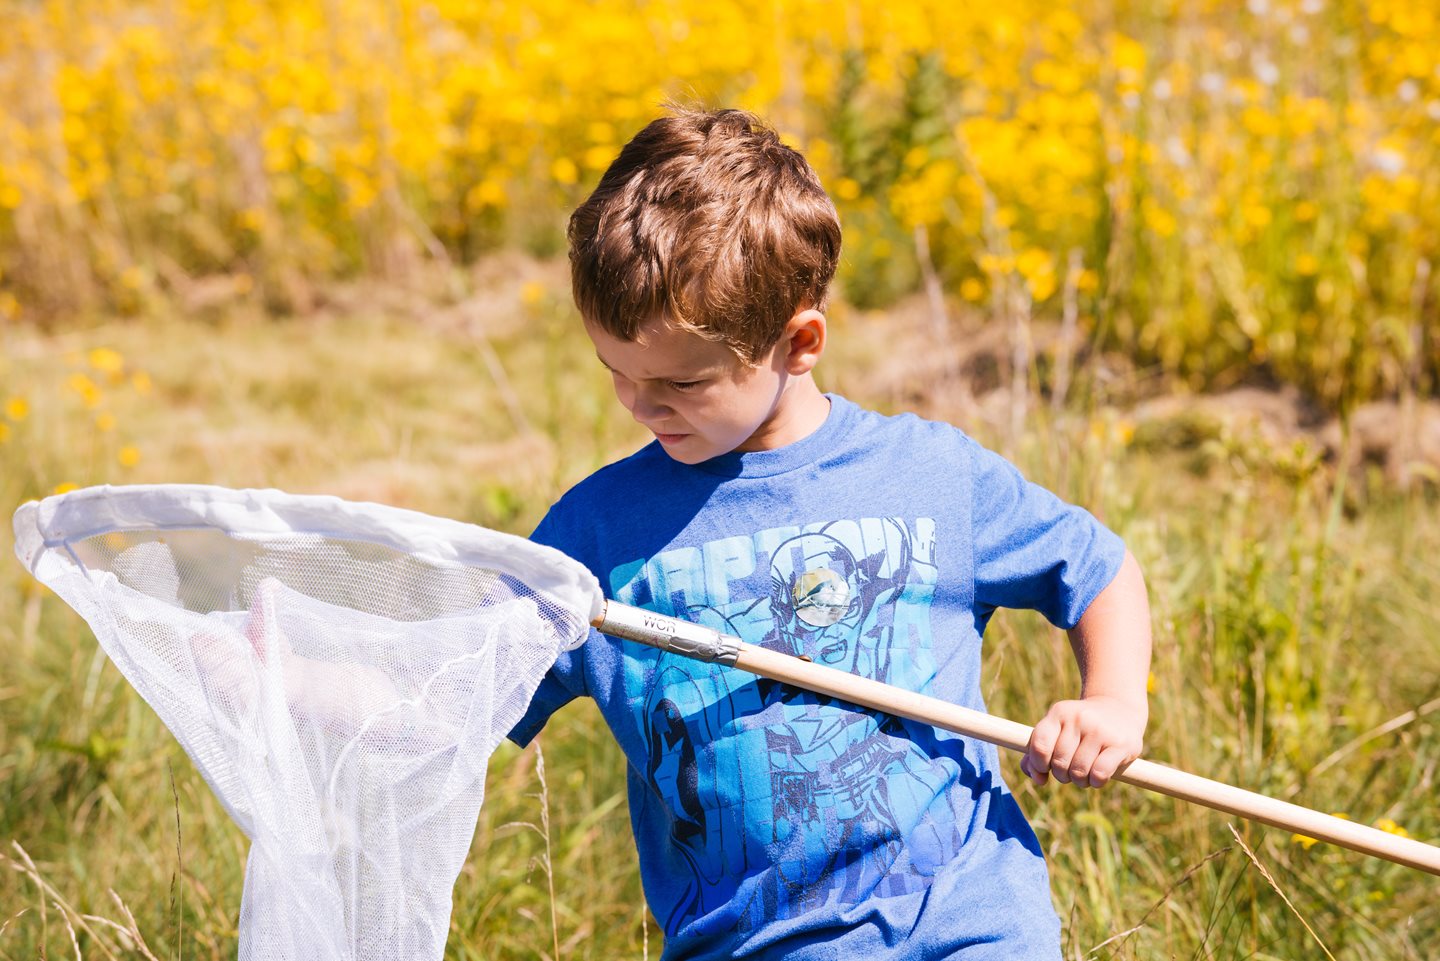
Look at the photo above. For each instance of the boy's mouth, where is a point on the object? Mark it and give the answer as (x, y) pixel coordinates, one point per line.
(669, 438)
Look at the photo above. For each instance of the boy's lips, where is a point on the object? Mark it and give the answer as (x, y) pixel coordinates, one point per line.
(668, 438)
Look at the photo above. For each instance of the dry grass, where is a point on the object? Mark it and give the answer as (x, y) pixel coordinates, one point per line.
(1294, 621)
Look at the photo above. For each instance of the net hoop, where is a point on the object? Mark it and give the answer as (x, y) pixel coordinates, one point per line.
(61, 519)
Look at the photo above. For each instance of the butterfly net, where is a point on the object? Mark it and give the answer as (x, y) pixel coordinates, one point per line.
(340, 674)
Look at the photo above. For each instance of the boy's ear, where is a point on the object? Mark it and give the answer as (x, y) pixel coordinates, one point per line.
(804, 341)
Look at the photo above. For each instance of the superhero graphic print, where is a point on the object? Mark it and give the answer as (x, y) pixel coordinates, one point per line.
(777, 795)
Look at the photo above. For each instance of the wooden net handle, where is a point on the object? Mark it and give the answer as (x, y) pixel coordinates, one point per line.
(1142, 773)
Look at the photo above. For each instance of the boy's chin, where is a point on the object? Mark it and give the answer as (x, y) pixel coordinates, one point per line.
(685, 457)
(689, 450)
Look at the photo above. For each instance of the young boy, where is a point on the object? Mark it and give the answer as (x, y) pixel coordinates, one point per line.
(771, 822)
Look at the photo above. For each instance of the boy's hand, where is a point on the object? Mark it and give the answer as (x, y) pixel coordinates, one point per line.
(1084, 742)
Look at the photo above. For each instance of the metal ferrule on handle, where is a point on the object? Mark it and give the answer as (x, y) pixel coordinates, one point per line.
(704, 644)
(668, 634)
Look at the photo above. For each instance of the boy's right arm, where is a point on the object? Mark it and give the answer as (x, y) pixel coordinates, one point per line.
(1086, 741)
(1034, 551)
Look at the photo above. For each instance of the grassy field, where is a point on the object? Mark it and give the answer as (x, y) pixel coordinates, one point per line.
(1294, 617)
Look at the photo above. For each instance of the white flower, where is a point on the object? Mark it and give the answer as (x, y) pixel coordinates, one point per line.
(1175, 150)
(1389, 162)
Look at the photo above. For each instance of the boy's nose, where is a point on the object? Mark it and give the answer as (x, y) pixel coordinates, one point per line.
(644, 406)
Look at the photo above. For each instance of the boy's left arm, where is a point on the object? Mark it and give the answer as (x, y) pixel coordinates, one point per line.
(1086, 741)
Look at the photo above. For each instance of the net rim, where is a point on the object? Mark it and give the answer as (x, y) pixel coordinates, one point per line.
(61, 519)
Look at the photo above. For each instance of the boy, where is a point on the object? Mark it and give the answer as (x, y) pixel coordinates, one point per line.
(771, 822)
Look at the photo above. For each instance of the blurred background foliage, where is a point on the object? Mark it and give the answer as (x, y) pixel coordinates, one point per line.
(1227, 190)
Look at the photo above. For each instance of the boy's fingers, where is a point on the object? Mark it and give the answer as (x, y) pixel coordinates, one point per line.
(1065, 747)
(1042, 745)
(1082, 762)
(1106, 765)
(1039, 777)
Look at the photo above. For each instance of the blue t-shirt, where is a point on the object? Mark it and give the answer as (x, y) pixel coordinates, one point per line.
(772, 822)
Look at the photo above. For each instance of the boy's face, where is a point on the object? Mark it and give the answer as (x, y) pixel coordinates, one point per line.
(695, 395)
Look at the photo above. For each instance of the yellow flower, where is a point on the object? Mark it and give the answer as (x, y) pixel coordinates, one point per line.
(89, 392)
(251, 219)
(1038, 269)
(532, 292)
(995, 264)
(847, 189)
(1149, 680)
(1256, 215)
(105, 360)
(1041, 287)
(564, 171)
(1127, 54)
(65, 488)
(1390, 827)
(487, 193)
(972, 289)
(128, 456)
(1305, 842)
(17, 408)
(599, 156)
(1158, 219)
(1033, 262)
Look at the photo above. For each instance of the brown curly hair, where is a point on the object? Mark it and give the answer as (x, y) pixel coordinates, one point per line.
(707, 220)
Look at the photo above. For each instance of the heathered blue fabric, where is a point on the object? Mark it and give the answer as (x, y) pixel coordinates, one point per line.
(773, 823)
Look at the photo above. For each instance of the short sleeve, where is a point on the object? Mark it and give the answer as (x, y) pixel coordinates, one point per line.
(565, 680)
(1033, 550)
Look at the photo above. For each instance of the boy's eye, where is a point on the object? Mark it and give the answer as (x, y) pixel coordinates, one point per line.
(683, 385)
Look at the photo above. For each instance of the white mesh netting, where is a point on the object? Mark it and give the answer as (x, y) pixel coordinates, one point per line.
(340, 674)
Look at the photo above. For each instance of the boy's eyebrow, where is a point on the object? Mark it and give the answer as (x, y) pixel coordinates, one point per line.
(699, 374)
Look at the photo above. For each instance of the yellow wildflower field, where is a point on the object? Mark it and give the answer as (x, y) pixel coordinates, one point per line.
(1214, 185)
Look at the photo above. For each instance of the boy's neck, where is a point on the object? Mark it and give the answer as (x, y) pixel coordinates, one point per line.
(799, 412)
